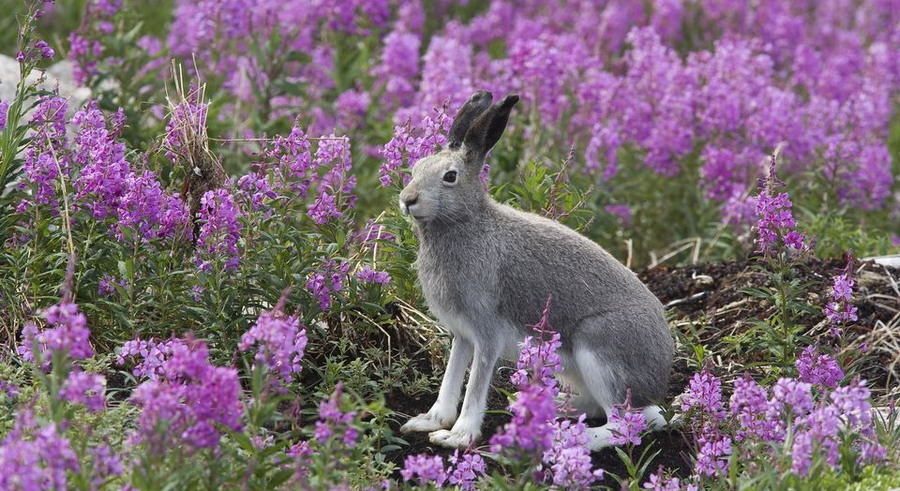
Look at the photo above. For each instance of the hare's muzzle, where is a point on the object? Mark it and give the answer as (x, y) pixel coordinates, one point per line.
(407, 199)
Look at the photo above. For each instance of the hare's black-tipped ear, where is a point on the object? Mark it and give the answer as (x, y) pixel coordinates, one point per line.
(471, 109)
(488, 127)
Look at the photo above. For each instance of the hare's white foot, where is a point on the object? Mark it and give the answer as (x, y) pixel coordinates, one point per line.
(654, 417)
(455, 438)
(428, 422)
(599, 437)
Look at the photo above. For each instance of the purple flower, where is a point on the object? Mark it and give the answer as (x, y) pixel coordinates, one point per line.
(569, 457)
(45, 50)
(85, 388)
(818, 369)
(146, 212)
(627, 423)
(750, 404)
(220, 231)
(69, 334)
(196, 292)
(351, 107)
(324, 208)
(424, 470)
(398, 67)
(41, 460)
(705, 394)
(9, 389)
(535, 431)
(369, 275)
(658, 482)
(45, 157)
(465, 470)
(152, 356)
(791, 395)
(333, 422)
(190, 397)
(411, 143)
(280, 342)
(4, 109)
(108, 285)
(105, 464)
(712, 458)
(841, 311)
(255, 187)
(622, 212)
(775, 222)
(326, 282)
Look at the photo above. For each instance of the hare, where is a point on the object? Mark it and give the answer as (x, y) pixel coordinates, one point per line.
(486, 271)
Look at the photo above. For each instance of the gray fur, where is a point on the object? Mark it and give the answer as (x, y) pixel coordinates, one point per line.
(487, 270)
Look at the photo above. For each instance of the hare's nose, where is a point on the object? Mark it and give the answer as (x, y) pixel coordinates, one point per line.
(407, 200)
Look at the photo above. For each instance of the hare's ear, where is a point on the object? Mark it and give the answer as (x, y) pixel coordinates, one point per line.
(471, 109)
(487, 129)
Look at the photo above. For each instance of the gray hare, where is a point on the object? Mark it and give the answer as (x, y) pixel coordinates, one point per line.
(487, 270)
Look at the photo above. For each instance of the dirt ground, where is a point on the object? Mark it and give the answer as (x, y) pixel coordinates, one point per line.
(712, 295)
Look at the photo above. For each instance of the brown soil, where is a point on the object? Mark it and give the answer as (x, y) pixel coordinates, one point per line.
(713, 297)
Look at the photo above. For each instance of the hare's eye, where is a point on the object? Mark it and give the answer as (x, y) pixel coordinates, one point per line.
(450, 176)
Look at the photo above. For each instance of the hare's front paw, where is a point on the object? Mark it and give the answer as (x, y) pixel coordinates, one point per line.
(455, 438)
(425, 422)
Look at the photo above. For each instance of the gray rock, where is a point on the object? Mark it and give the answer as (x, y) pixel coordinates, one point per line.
(59, 75)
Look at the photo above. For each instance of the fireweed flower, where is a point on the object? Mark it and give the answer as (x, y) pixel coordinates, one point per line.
(85, 388)
(705, 394)
(9, 389)
(369, 275)
(658, 482)
(714, 453)
(280, 342)
(255, 188)
(152, 356)
(840, 311)
(569, 457)
(4, 109)
(103, 170)
(191, 397)
(336, 183)
(424, 470)
(46, 155)
(146, 212)
(775, 221)
(535, 429)
(40, 459)
(410, 143)
(749, 404)
(221, 230)
(107, 285)
(69, 334)
(44, 49)
(627, 423)
(818, 369)
(464, 470)
(105, 463)
(335, 423)
(327, 281)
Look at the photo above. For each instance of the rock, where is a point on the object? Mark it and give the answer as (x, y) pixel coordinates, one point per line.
(58, 75)
(892, 260)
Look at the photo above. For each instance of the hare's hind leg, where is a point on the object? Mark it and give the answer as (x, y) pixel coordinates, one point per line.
(607, 387)
(443, 413)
